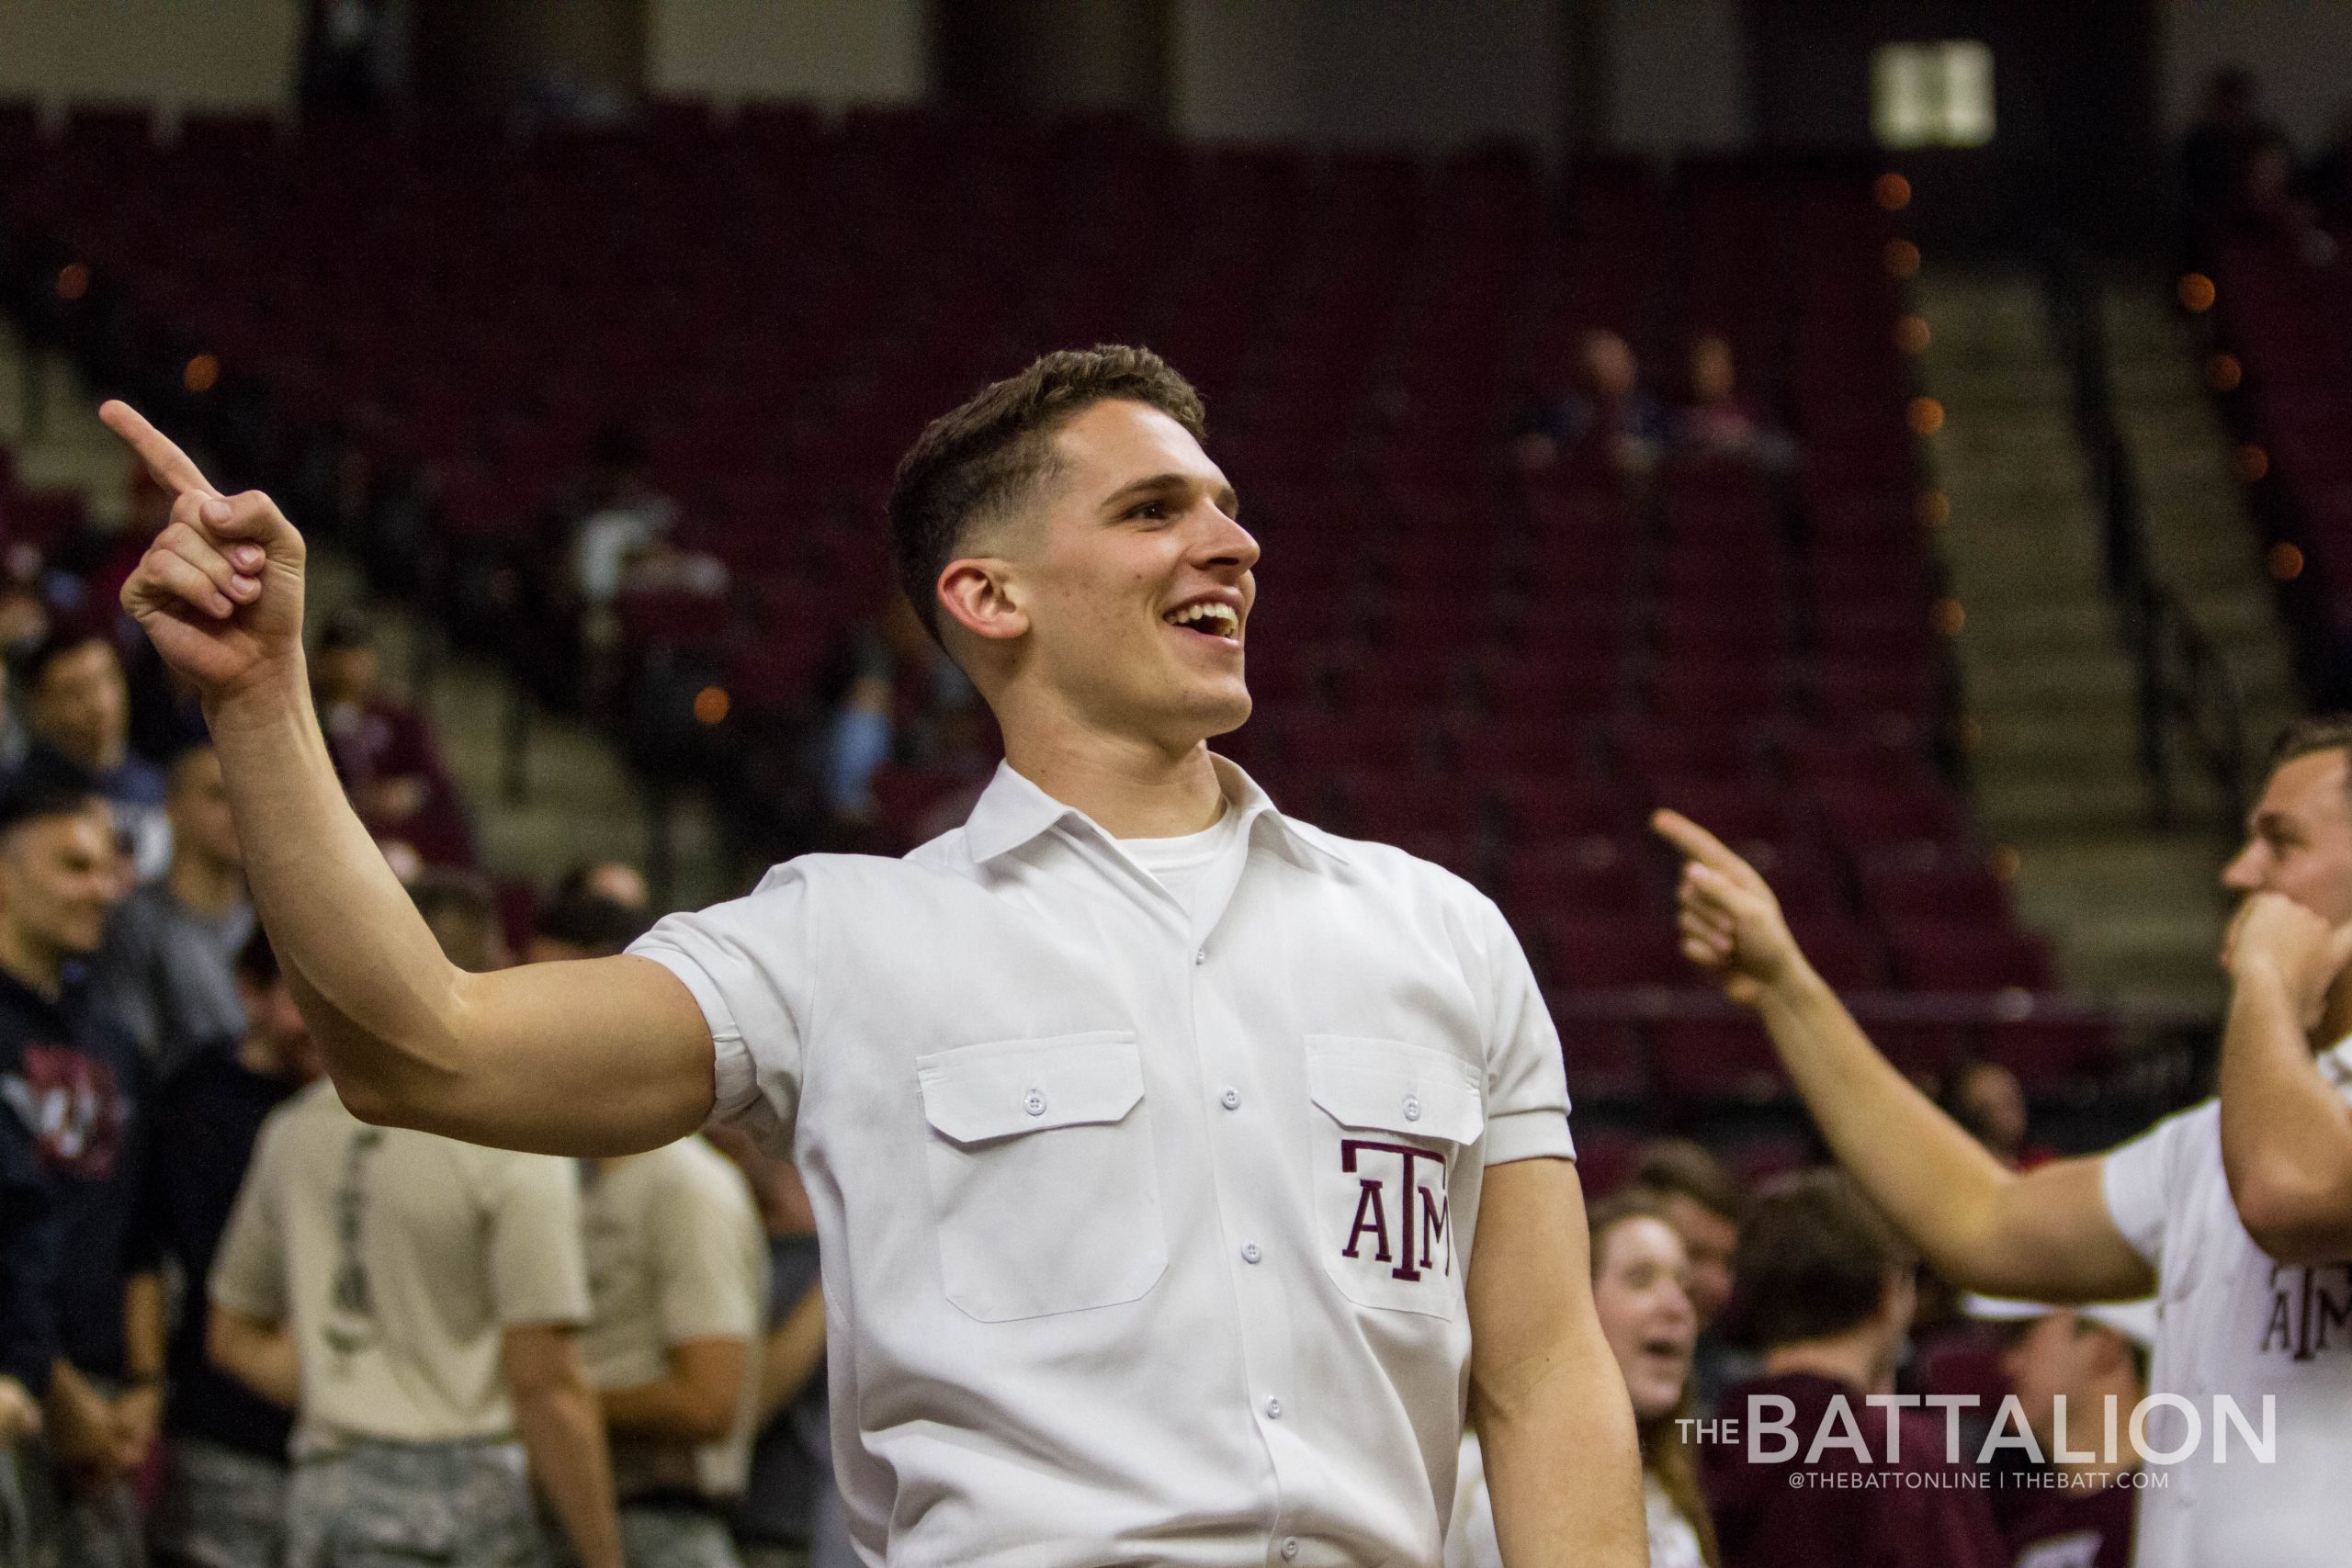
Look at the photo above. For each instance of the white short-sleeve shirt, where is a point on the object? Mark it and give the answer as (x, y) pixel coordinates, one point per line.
(1144, 1229)
(2230, 1321)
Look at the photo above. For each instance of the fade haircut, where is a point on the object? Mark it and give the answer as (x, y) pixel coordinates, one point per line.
(982, 458)
(1813, 1259)
(1680, 1167)
(2309, 737)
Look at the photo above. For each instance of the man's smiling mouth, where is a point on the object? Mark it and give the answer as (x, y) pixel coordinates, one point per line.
(1207, 618)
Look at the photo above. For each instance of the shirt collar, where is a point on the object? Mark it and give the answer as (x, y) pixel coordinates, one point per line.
(1013, 811)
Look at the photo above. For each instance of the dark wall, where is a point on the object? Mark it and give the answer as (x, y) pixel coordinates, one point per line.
(1056, 56)
(2075, 87)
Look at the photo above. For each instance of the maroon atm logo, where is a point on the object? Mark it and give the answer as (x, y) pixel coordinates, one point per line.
(1401, 1219)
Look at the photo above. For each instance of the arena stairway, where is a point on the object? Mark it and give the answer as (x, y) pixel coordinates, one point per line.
(2131, 911)
(579, 802)
(2202, 542)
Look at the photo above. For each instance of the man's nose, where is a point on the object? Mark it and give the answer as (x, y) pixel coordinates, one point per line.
(2245, 873)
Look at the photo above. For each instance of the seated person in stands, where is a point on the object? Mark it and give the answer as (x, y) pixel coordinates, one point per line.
(1641, 1278)
(78, 707)
(1608, 423)
(584, 925)
(2066, 1368)
(384, 752)
(1987, 1099)
(613, 879)
(1826, 1290)
(1719, 424)
(1701, 1199)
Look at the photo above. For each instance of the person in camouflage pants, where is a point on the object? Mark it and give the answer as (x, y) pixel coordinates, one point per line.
(376, 1504)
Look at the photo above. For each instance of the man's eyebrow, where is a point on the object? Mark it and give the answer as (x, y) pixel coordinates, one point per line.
(2272, 821)
(1162, 484)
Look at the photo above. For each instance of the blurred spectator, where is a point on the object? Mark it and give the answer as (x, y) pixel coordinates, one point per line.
(352, 55)
(223, 1498)
(1987, 1099)
(2329, 179)
(904, 729)
(1639, 1278)
(1719, 424)
(1825, 1285)
(76, 1088)
(1698, 1197)
(584, 925)
(625, 517)
(2267, 203)
(790, 1513)
(383, 751)
(166, 971)
(462, 913)
(2074, 1367)
(2218, 148)
(415, 1302)
(77, 706)
(677, 1277)
(1607, 422)
(613, 879)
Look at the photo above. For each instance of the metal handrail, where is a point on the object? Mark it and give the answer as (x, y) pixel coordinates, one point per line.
(2188, 699)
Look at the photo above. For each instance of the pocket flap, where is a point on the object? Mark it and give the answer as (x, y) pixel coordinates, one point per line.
(1396, 1088)
(1009, 1087)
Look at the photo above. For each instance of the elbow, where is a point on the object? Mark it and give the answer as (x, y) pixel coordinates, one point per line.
(2292, 1219)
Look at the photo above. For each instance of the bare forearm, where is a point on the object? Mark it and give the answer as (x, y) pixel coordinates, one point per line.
(383, 1006)
(265, 1360)
(143, 1328)
(564, 1435)
(1937, 1184)
(2286, 1135)
(796, 1350)
(670, 1410)
(1550, 1514)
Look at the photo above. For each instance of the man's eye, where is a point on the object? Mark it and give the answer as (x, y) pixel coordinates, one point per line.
(1150, 509)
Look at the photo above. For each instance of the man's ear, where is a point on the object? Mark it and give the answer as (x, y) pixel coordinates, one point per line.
(979, 594)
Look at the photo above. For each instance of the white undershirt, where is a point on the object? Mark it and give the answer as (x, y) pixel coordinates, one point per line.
(1180, 863)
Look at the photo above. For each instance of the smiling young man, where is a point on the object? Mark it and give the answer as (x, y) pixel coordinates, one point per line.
(2236, 1213)
(1148, 1131)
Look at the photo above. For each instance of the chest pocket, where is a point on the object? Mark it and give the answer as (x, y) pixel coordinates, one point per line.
(1043, 1194)
(1391, 1126)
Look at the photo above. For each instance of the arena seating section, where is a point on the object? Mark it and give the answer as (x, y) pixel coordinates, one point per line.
(1500, 671)
(2282, 305)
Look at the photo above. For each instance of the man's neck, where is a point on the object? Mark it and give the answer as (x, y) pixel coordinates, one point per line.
(1856, 1361)
(2335, 1017)
(204, 884)
(34, 964)
(1131, 787)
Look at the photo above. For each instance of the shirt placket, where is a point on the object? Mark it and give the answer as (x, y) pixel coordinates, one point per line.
(1247, 1176)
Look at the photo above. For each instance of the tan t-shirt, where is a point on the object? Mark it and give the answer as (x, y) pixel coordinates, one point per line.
(399, 1259)
(675, 1254)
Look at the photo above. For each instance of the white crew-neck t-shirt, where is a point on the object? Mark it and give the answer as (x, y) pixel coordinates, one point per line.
(1182, 864)
(2232, 1321)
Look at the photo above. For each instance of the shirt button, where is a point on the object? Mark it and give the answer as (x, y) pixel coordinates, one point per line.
(1230, 1100)
(1273, 1409)
(1250, 1253)
(1201, 957)
(1412, 1108)
(1290, 1548)
(1034, 1103)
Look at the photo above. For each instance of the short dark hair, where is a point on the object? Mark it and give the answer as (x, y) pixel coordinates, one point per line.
(1813, 1259)
(462, 911)
(983, 455)
(257, 961)
(46, 783)
(1679, 1167)
(32, 665)
(592, 923)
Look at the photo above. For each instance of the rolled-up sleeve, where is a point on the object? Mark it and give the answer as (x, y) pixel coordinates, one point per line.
(746, 964)
(1527, 1085)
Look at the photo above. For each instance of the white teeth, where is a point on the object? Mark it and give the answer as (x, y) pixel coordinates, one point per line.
(1228, 623)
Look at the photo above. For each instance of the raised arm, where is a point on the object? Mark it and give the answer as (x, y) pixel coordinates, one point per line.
(601, 1056)
(2044, 1234)
(2286, 1132)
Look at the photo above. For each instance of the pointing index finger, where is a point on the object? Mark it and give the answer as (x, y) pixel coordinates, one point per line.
(1695, 842)
(172, 467)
